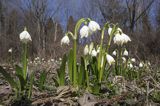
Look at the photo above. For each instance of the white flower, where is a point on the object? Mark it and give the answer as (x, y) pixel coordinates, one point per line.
(60, 59)
(52, 60)
(125, 38)
(109, 31)
(121, 39)
(93, 26)
(114, 53)
(25, 36)
(65, 40)
(124, 59)
(98, 49)
(118, 39)
(37, 58)
(140, 65)
(133, 60)
(42, 59)
(90, 48)
(10, 50)
(149, 63)
(84, 31)
(119, 30)
(131, 65)
(125, 53)
(94, 53)
(110, 59)
(86, 50)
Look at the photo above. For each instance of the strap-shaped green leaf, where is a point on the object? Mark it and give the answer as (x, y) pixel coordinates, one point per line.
(61, 71)
(82, 77)
(32, 76)
(19, 70)
(8, 78)
(42, 80)
(70, 65)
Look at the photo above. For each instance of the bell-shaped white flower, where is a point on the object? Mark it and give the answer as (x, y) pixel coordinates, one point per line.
(118, 39)
(93, 26)
(133, 59)
(124, 59)
(94, 53)
(10, 50)
(110, 59)
(25, 36)
(98, 49)
(90, 48)
(140, 64)
(52, 60)
(119, 30)
(125, 38)
(84, 31)
(125, 53)
(131, 65)
(109, 31)
(114, 53)
(149, 63)
(65, 40)
(86, 50)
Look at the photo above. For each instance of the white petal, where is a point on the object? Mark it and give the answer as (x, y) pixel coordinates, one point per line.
(114, 53)
(125, 53)
(86, 50)
(94, 53)
(110, 59)
(25, 37)
(93, 26)
(65, 40)
(84, 31)
(109, 31)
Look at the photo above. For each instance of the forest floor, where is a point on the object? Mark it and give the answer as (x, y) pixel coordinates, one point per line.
(133, 93)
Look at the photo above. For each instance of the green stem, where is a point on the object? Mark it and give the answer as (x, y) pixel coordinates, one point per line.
(74, 63)
(102, 53)
(24, 61)
(75, 38)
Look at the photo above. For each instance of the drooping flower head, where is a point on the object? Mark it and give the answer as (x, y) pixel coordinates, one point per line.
(93, 26)
(125, 53)
(109, 31)
(86, 50)
(65, 40)
(133, 60)
(126, 38)
(140, 64)
(10, 50)
(94, 53)
(84, 31)
(124, 59)
(110, 59)
(114, 53)
(118, 39)
(25, 36)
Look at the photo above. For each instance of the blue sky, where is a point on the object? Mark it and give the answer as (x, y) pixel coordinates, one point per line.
(82, 8)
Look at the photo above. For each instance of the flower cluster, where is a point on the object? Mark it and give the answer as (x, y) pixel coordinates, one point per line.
(92, 27)
(120, 38)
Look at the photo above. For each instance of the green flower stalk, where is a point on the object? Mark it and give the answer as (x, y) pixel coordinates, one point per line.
(75, 40)
(103, 52)
(25, 38)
